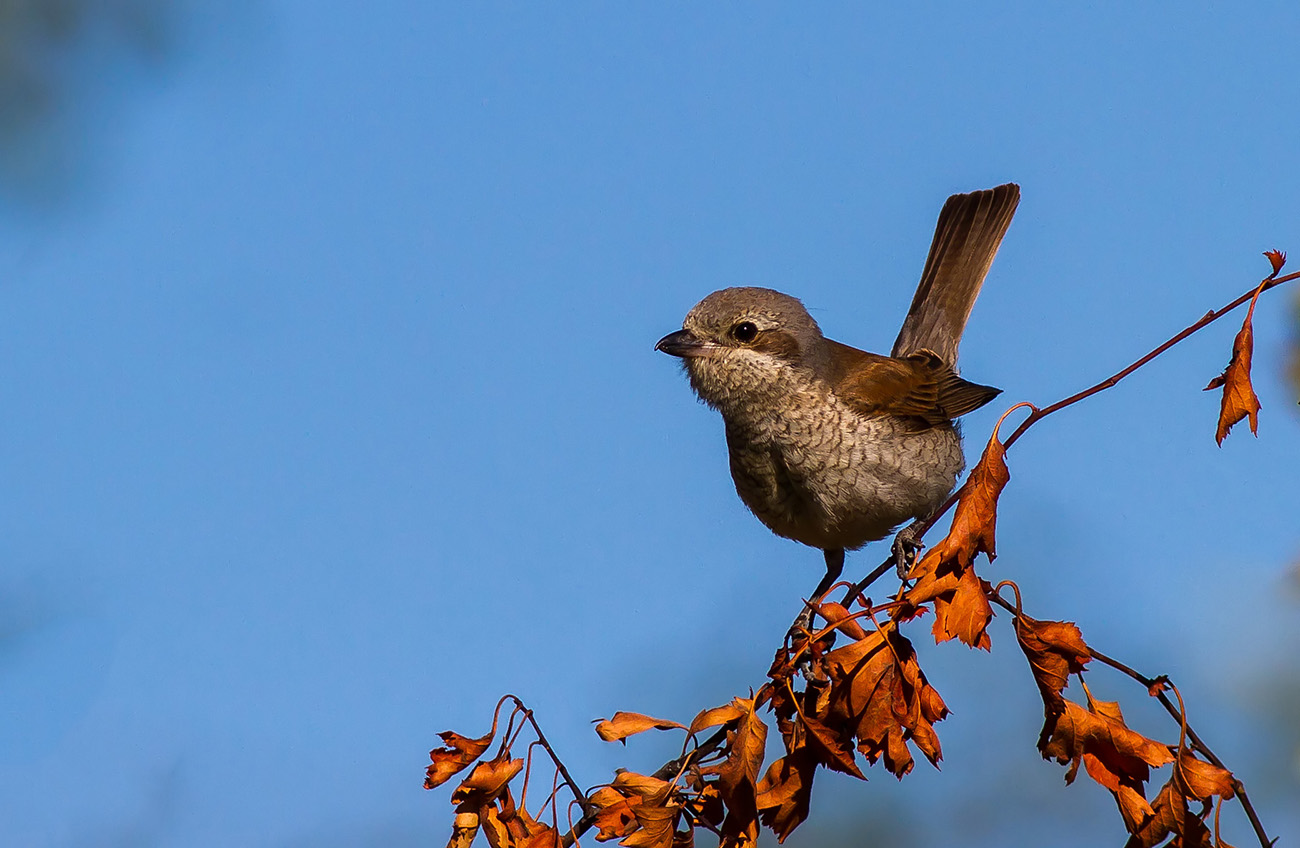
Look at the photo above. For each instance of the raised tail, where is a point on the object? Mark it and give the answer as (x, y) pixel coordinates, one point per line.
(966, 239)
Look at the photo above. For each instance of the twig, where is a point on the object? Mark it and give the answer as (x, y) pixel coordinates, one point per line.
(559, 765)
(672, 768)
(1207, 319)
(1040, 413)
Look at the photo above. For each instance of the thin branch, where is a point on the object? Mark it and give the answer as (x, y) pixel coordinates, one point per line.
(1207, 319)
(559, 765)
(1040, 413)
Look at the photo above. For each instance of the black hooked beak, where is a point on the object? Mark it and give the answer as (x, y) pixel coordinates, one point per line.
(685, 344)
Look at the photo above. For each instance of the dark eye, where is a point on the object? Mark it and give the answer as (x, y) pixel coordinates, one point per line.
(744, 332)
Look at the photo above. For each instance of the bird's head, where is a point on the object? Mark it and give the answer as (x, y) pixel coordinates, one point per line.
(742, 346)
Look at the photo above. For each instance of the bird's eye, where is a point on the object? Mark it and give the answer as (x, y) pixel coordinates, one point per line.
(744, 332)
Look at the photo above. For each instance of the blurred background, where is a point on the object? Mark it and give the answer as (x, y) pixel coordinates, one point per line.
(330, 409)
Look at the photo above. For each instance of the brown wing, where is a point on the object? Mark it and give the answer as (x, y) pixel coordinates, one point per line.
(966, 239)
(919, 388)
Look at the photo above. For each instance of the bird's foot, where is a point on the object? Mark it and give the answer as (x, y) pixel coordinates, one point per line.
(907, 546)
(799, 644)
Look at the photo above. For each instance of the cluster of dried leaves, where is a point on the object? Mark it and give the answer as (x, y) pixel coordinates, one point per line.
(852, 692)
(484, 800)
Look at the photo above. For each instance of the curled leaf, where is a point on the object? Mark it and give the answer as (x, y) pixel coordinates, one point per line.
(1204, 780)
(623, 725)
(614, 818)
(716, 716)
(459, 753)
(658, 823)
(486, 782)
(975, 520)
(544, 836)
(650, 790)
(738, 776)
(463, 830)
(880, 697)
(1158, 685)
(1055, 650)
(1113, 755)
(1170, 816)
(1277, 259)
(965, 614)
(785, 791)
(835, 750)
(1239, 400)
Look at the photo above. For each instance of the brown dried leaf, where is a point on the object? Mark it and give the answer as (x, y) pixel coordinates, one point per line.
(650, 790)
(924, 707)
(459, 753)
(623, 725)
(898, 759)
(463, 830)
(1239, 400)
(862, 676)
(961, 607)
(1113, 754)
(1170, 816)
(544, 837)
(614, 818)
(738, 833)
(975, 520)
(606, 796)
(707, 804)
(1277, 259)
(745, 746)
(517, 820)
(879, 695)
(932, 578)
(738, 776)
(716, 716)
(486, 782)
(496, 831)
(1107, 709)
(784, 792)
(639, 809)
(834, 750)
(1133, 808)
(1055, 650)
(657, 825)
(964, 614)
(1204, 780)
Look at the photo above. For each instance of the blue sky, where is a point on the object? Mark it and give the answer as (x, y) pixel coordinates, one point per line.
(331, 409)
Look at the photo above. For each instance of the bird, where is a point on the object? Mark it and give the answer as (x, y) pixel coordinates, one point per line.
(832, 446)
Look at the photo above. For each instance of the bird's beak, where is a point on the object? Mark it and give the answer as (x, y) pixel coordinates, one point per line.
(685, 344)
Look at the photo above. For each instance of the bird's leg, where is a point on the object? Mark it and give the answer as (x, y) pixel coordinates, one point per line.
(834, 565)
(907, 544)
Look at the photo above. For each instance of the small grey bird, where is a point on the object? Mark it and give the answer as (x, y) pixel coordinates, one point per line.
(832, 446)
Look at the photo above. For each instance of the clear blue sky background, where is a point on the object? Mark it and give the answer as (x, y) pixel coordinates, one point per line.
(330, 409)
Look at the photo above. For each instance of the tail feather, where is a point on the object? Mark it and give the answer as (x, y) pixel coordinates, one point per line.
(966, 239)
